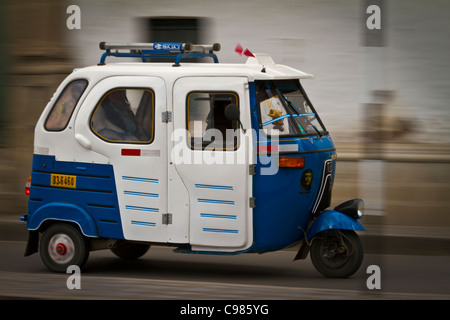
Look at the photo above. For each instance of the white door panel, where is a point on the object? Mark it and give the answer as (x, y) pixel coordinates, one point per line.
(220, 218)
(140, 169)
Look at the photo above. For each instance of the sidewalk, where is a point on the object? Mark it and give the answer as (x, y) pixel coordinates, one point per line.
(409, 240)
(377, 239)
(397, 152)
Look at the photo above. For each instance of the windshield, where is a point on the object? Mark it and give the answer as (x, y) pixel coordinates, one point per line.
(285, 109)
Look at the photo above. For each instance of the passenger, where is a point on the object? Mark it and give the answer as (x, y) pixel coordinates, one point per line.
(114, 119)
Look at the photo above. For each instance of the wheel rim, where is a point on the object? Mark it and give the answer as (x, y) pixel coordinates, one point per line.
(335, 254)
(61, 248)
(333, 260)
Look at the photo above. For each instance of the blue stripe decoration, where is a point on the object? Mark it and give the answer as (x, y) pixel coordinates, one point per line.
(228, 202)
(220, 230)
(141, 208)
(127, 178)
(219, 216)
(141, 194)
(210, 186)
(143, 223)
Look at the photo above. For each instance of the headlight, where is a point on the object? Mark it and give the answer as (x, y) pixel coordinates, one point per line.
(353, 208)
(360, 212)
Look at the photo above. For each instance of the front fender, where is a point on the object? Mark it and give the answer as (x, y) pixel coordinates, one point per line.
(64, 212)
(332, 219)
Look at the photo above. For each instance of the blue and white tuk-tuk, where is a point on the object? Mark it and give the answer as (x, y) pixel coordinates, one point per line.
(205, 157)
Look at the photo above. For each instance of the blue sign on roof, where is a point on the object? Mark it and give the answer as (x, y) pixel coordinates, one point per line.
(172, 46)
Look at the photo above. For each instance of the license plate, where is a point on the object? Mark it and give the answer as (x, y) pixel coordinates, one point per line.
(63, 181)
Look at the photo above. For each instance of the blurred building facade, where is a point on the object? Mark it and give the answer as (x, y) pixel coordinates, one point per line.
(324, 38)
(34, 62)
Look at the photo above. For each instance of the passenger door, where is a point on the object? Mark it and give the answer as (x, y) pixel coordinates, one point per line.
(211, 178)
(121, 120)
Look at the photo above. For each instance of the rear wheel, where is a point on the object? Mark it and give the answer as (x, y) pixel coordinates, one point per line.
(130, 251)
(337, 253)
(63, 245)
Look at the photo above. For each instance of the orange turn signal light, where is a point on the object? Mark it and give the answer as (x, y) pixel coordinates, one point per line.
(291, 162)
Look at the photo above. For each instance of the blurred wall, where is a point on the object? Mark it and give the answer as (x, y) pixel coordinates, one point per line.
(322, 37)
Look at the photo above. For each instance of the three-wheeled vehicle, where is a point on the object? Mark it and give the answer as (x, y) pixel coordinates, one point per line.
(206, 157)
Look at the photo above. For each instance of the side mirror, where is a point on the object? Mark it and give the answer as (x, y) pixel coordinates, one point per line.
(232, 112)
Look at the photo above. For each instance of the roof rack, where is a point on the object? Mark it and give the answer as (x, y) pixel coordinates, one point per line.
(159, 50)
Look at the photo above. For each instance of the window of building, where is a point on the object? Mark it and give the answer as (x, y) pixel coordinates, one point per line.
(62, 110)
(175, 29)
(125, 115)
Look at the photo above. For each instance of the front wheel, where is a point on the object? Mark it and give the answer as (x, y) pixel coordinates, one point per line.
(63, 245)
(337, 253)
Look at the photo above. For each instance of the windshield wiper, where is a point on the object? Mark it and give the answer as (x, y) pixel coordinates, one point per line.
(298, 111)
(287, 116)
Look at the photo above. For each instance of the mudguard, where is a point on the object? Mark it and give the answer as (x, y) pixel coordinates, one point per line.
(329, 219)
(64, 212)
(332, 219)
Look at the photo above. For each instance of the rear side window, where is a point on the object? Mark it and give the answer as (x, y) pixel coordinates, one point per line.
(125, 115)
(206, 122)
(63, 108)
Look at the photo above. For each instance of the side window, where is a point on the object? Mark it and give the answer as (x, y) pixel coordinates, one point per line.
(206, 123)
(125, 115)
(62, 110)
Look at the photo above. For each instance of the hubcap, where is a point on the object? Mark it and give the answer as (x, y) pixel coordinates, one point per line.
(334, 251)
(61, 248)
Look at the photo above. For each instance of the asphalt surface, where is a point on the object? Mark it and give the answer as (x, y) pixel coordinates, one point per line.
(169, 282)
(163, 275)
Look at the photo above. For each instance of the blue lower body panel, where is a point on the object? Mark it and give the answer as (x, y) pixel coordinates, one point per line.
(94, 196)
(284, 201)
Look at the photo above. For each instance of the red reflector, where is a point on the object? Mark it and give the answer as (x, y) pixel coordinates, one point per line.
(292, 162)
(268, 148)
(131, 152)
(27, 186)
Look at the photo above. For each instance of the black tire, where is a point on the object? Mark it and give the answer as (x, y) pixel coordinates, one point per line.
(130, 251)
(63, 245)
(337, 253)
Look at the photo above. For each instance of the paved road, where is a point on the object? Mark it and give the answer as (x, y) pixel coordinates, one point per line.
(162, 274)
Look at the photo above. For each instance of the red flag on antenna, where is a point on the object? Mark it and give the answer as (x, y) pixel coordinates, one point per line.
(239, 49)
(248, 53)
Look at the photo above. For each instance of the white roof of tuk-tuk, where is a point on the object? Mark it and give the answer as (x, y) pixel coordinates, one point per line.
(261, 67)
